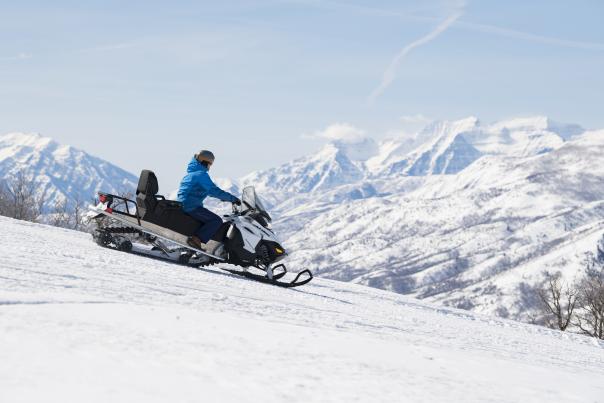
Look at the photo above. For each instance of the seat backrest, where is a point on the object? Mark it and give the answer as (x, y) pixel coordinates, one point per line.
(145, 192)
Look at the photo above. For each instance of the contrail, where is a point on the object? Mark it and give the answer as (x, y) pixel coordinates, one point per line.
(470, 26)
(390, 73)
(511, 33)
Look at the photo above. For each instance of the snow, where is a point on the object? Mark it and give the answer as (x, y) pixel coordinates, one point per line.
(82, 323)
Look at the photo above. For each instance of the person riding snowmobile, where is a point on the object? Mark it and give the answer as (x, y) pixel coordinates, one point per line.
(194, 188)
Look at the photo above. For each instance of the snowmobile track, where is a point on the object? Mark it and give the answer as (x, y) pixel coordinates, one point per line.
(241, 273)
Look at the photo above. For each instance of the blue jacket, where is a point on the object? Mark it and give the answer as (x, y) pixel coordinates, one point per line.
(197, 185)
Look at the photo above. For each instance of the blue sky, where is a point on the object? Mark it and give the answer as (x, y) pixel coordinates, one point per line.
(145, 84)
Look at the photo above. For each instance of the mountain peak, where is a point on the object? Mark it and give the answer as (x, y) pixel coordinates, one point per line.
(438, 148)
(455, 127)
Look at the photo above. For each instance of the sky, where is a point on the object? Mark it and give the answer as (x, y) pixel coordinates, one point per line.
(146, 84)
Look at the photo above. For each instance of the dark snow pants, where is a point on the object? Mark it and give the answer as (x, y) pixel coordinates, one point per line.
(210, 223)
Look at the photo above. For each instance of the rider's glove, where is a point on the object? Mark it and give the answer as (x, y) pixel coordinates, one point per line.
(237, 202)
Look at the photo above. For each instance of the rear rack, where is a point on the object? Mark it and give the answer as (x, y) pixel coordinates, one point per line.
(109, 198)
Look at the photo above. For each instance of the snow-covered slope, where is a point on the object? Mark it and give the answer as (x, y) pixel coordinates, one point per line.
(63, 172)
(82, 323)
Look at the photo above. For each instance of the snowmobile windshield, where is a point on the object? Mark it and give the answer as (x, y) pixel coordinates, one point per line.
(252, 201)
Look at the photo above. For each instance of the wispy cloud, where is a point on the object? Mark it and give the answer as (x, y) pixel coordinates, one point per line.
(343, 132)
(390, 72)
(20, 56)
(100, 48)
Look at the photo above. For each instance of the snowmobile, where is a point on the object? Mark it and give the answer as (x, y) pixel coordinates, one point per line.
(156, 227)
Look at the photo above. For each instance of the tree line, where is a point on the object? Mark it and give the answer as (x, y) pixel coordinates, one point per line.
(20, 198)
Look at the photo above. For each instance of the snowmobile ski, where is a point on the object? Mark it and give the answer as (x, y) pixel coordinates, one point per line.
(275, 280)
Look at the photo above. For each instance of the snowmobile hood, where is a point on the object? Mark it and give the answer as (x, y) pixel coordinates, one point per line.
(195, 166)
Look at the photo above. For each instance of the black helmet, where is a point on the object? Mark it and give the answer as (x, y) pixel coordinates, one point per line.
(205, 156)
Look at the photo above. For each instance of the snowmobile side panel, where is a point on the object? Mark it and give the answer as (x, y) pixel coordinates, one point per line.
(156, 230)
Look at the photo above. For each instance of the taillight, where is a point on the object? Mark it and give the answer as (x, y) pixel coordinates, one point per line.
(103, 198)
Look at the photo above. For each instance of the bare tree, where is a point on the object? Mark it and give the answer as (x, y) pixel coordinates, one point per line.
(558, 301)
(21, 199)
(60, 215)
(590, 320)
(4, 198)
(600, 252)
(69, 214)
(78, 214)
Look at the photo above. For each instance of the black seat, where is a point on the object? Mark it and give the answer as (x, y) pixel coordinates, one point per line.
(156, 209)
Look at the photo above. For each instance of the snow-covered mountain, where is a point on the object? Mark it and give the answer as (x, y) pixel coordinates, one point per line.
(338, 163)
(442, 147)
(448, 147)
(462, 213)
(471, 240)
(84, 323)
(63, 172)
